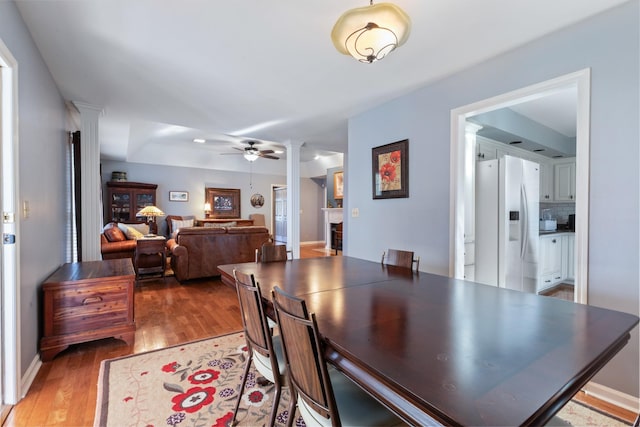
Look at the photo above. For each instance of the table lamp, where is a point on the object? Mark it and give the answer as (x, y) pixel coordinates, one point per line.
(150, 212)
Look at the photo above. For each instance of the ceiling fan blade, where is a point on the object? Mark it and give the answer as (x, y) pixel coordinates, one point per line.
(267, 151)
(230, 154)
(268, 156)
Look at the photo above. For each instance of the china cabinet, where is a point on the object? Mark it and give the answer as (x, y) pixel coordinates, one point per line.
(124, 199)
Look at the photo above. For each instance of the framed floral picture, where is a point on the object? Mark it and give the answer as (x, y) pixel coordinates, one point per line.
(390, 170)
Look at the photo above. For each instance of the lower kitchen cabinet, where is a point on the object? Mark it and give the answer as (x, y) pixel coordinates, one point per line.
(557, 259)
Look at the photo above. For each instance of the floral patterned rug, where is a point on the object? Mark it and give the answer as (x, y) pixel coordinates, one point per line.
(196, 385)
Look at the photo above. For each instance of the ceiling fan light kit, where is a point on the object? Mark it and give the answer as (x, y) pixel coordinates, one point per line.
(251, 153)
(251, 156)
(372, 32)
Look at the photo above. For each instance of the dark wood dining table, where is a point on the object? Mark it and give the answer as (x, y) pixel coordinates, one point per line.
(437, 350)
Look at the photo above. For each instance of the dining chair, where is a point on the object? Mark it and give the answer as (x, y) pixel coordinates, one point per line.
(270, 252)
(400, 258)
(265, 350)
(324, 397)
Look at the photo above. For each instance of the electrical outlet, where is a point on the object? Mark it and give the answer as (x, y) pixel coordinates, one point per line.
(355, 212)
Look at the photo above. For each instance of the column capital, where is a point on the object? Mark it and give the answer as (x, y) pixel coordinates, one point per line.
(293, 144)
(471, 127)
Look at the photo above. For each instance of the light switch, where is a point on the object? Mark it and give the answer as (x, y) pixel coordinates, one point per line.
(355, 212)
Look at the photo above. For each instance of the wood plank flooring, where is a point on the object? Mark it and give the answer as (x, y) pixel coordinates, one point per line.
(167, 313)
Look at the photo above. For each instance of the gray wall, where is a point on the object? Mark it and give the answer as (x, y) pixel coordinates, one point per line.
(42, 141)
(194, 180)
(609, 45)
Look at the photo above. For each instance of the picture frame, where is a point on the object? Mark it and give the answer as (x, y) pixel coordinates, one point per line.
(225, 202)
(390, 170)
(338, 185)
(178, 196)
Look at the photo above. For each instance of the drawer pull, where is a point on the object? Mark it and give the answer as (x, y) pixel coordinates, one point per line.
(91, 300)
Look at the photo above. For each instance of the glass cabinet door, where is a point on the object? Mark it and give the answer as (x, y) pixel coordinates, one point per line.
(143, 200)
(120, 207)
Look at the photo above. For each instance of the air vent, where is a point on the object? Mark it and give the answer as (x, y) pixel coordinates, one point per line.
(515, 142)
(537, 150)
(557, 157)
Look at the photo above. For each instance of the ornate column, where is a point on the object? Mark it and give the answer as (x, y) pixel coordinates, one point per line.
(91, 186)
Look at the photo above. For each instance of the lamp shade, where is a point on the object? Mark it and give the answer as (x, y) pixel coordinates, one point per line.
(370, 33)
(150, 211)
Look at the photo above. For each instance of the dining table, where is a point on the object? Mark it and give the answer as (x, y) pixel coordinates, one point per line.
(442, 351)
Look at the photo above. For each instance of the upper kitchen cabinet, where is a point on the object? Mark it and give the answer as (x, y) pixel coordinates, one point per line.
(546, 182)
(565, 181)
(485, 150)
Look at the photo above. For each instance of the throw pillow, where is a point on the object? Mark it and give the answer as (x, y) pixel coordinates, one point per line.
(133, 234)
(142, 228)
(114, 234)
(176, 224)
(221, 224)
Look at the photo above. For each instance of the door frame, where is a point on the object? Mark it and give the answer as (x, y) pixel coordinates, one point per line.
(582, 81)
(10, 254)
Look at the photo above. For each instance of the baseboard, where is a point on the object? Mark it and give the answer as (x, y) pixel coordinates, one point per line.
(615, 397)
(312, 243)
(30, 375)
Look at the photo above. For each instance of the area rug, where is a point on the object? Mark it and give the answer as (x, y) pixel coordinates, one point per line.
(196, 384)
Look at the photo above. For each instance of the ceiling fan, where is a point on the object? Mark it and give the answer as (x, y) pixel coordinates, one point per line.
(251, 153)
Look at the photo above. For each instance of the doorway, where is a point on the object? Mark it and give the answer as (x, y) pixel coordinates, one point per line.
(9, 253)
(279, 216)
(462, 157)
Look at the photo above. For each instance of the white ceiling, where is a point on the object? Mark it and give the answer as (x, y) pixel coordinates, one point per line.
(168, 71)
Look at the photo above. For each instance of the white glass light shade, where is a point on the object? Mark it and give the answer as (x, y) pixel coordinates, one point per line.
(370, 33)
(250, 156)
(207, 207)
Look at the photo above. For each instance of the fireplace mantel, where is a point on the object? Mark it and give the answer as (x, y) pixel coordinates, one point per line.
(331, 216)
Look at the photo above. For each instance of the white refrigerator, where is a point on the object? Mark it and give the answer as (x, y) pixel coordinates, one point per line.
(507, 222)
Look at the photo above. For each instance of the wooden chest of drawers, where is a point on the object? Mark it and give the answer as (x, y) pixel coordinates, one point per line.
(86, 301)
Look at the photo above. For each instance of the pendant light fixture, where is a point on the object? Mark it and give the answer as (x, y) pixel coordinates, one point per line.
(370, 33)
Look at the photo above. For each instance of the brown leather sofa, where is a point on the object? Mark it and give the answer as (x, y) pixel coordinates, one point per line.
(114, 244)
(115, 250)
(197, 251)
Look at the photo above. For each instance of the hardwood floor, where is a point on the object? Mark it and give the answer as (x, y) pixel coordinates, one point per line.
(167, 313)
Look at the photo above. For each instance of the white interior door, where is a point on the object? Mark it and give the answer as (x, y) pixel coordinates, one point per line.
(280, 214)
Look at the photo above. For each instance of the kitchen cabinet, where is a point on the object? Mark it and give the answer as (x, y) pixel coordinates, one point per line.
(546, 182)
(557, 176)
(125, 199)
(564, 182)
(556, 260)
(550, 267)
(485, 151)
